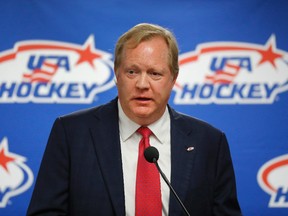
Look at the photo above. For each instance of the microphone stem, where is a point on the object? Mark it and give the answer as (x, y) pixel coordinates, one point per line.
(171, 188)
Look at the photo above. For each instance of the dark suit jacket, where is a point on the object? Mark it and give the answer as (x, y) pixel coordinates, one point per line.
(81, 170)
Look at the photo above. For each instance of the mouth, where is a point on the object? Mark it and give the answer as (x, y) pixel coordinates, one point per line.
(143, 99)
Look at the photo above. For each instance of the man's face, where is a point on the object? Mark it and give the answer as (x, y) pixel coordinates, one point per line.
(144, 81)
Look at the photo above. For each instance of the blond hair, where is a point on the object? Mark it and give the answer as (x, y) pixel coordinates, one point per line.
(143, 32)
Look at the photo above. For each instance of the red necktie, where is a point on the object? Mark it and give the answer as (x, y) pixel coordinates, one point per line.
(148, 192)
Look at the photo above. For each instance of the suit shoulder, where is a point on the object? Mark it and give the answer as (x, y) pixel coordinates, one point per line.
(88, 113)
(193, 123)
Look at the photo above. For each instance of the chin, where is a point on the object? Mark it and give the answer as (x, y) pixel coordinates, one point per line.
(142, 111)
(142, 114)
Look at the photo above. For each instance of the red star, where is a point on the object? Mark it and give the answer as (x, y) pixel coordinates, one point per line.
(87, 55)
(5, 159)
(269, 56)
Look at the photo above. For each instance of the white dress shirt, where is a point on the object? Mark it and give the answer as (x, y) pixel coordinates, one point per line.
(129, 140)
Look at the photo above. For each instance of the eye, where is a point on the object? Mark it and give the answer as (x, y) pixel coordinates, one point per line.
(155, 75)
(131, 73)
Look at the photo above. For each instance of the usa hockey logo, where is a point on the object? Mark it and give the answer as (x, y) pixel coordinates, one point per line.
(15, 176)
(273, 179)
(232, 73)
(54, 72)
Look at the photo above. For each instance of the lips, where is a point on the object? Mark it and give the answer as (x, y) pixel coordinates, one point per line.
(143, 99)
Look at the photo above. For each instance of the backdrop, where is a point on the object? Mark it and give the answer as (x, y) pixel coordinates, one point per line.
(56, 57)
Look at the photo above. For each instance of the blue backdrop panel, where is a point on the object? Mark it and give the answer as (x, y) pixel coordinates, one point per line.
(56, 57)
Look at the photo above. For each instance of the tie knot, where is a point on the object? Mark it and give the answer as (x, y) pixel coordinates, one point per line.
(144, 131)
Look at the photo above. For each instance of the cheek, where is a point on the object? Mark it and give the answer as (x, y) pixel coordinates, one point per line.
(165, 88)
(124, 86)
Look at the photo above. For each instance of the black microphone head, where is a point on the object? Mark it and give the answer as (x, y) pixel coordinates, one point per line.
(151, 154)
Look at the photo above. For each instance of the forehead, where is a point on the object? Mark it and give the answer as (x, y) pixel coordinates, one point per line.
(147, 54)
(156, 46)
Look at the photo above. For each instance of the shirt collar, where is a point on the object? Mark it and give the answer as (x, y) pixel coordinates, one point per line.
(125, 122)
(160, 128)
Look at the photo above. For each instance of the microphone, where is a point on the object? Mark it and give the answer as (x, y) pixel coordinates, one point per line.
(151, 154)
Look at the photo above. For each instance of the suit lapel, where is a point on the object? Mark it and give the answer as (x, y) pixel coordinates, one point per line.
(182, 156)
(105, 134)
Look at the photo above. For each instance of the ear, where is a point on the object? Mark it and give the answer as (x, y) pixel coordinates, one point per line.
(115, 76)
(175, 77)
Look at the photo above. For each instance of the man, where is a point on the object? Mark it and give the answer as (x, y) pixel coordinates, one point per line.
(90, 163)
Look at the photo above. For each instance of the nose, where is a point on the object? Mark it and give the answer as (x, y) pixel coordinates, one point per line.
(142, 81)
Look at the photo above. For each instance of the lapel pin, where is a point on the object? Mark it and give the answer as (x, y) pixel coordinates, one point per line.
(191, 148)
